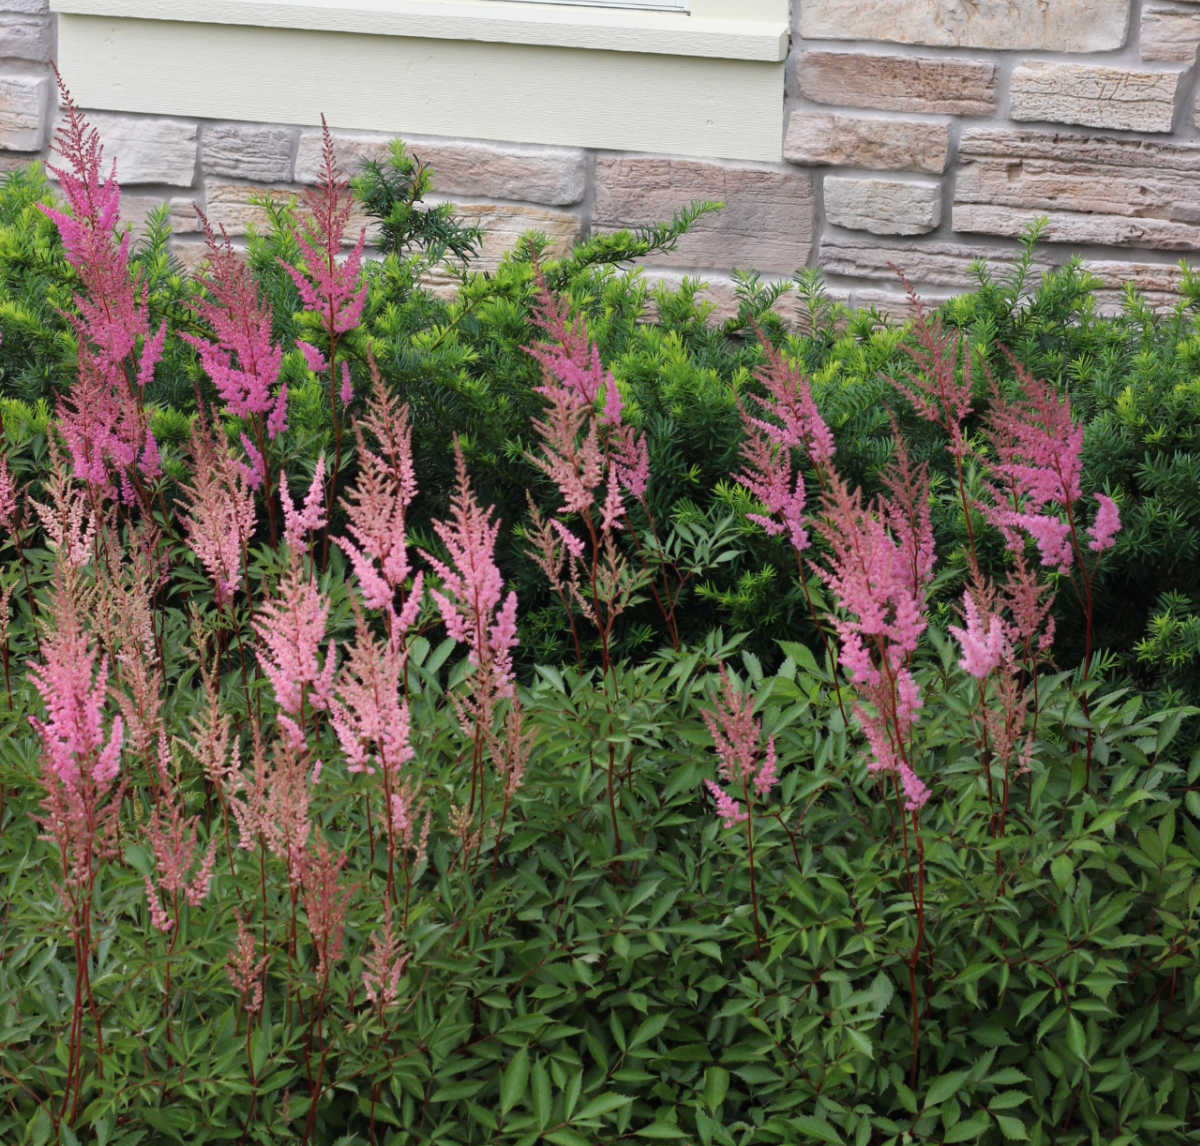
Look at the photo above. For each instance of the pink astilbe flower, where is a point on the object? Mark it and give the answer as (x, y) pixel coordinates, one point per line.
(242, 360)
(1106, 526)
(245, 972)
(405, 814)
(369, 713)
(291, 627)
(1038, 458)
(375, 509)
(220, 516)
(571, 369)
(325, 899)
(311, 517)
(795, 423)
(330, 288)
(8, 494)
(879, 565)
(983, 642)
(102, 419)
(742, 762)
(173, 839)
(68, 520)
(384, 966)
(471, 601)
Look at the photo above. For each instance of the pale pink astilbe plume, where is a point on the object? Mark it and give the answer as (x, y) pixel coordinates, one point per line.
(68, 520)
(369, 713)
(297, 525)
(80, 761)
(471, 599)
(743, 763)
(329, 286)
(8, 494)
(878, 568)
(242, 360)
(181, 867)
(291, 627)
(1028, 600)
(220, 515)
(405, 815)
(375, 508)
(1106, 526)
(325, 899)
(245, 972)
(384, 965)
(983, 643)
(767, 475)
(102, 419)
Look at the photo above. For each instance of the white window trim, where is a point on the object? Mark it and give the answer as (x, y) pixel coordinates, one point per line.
(705, 83)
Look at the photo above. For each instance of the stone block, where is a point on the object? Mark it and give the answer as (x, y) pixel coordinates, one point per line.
(1170, 34)
(883, 206)
(1158, 284)
(25, 38)
(136, 209)
(862, 141)
(1103, 190)
(148, 149)
(1128, 99)
(1077, 26)
(24, 108)
(27, 7)
(936, 264)
(767, 221)
(248, 151)
(1076, 227)
(899, 83)
(553, 176)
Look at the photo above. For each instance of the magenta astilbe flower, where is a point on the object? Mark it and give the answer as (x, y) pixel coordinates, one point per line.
(102, 419)
(242, 361)
(1106, 526)
(291, 627)
(220, 516)
(298, 525)
(470, 600)
(742, 762)
(329, 287)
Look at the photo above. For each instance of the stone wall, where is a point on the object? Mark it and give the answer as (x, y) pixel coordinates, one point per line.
(924, 133)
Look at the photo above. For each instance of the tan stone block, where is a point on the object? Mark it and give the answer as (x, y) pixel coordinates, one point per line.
(181, 214)
(767, 221)
(1082, 174)
(24, 104)
(863, 141)
(503, 226)
(148, 149)
(1169, 33)
(883, 206)
(1157, 284)
(1076, 228)
(1058, 26)
(554, 176)
(25, 38)
(248, 151)
(1128, 99)
(924, 264)
(899, 83)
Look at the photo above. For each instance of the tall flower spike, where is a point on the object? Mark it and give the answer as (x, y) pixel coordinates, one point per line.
(743, 763)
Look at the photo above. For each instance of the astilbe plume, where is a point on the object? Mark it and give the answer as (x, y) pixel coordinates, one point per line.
(325, 899)
(375, 506)
(241, 359)
(102, 420)
(69, 522)
(384, 965)
(245, 972)
(271, 805)
(290, 628)
(220, 514)
(8, 494)
(173, 838)
(744, 764)
(878, 567)
(298, 524)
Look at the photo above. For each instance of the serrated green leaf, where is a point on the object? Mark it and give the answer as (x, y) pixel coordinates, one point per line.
(1012, 1128)
(944, 1087)
(661, 1130)
(602, 1104)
